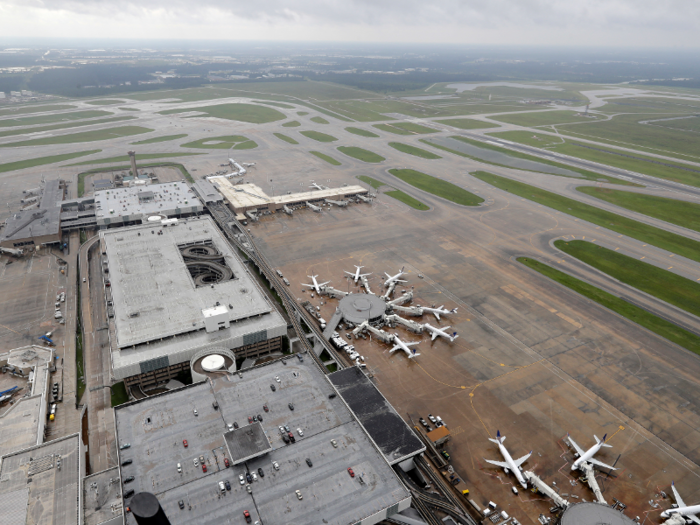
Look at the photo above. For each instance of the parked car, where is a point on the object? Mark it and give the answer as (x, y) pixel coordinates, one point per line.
(194, 411)
(281, 430)
(235, 425)
(246, 515)
(277, 378)
(286, 428)
(125, 446)
(179, 468)
(127, 462)
(250, 420)
(308, 462)
(228, 485)
(299, 496)
(254, 476)
(265, 408)
(445, 454)
(432, 419)
(275, 465)
(128, 493)
(260, 471)
(181, 504)
(334, 443)
(259, 418)
(248, 478)
(351, 472)
(227, 464)
(291, 406)
(249, 489)
(272, 387)
(241, 479)
(184, 442)
(196, 462)
(204, 467)
(301, 432)
(201, 459)
(129, 479)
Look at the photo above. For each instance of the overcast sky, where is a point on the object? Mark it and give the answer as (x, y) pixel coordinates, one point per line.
(656, 23)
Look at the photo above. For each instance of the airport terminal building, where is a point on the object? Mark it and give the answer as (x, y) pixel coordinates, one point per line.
(176, 292)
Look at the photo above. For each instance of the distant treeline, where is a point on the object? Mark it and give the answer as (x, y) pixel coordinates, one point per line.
(12, 82)
(691, 83)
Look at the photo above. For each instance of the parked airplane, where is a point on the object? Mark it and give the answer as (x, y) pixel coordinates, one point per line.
(437, 332)
(587, 456)
(357, 275)
(394, 278)
(317, 209)
(316, 285)
(439, 310)
(509, 465)
(682, 510)
(317, 186)
(400, 345)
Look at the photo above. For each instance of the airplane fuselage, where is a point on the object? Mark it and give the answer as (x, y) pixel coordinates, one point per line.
(514, 469)
(683, 511)
(586, 456)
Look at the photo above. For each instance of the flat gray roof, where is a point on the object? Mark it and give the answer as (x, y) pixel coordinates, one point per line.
(46, 479)
(154, 294)
(155, 428)
(52, 194)
(164, 198)
(390, 433)
(246, 443)
(32, 223)
(102, 497)
(207, 191)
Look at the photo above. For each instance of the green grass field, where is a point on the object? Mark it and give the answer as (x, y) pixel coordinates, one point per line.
(5, 112)
(318, 136)
(412, 150)
(291, 124)
(407, 199)
(23, 131)
(376, 184)
(638, 315)
(642, 232)
(285, 138)
(52, 119)
(302, 113)
(240, 112)
(625, 130)
(361, 132)
(225, 142)
(86, 136)
(104, 102)
(588, 175)
(438, 187)
(544, 118)
(319, 120)
(681, 213)
(674, 171)
(361, 154)
(118, 394)
(327, 158)
(660, 283)
(139, 157)
(40, 161)
(164, 138)
(270, 103)
(467, 123)
(405, 128)
(130, 109)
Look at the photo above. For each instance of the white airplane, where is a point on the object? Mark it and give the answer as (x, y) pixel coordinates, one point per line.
(509, 465)
(400, 345)
(357, 275)
(587, 456)
(439, 310)
(317, 186)
(394, 278)
(316, 285)
(437, 332)
(317, 209)
(682, 510)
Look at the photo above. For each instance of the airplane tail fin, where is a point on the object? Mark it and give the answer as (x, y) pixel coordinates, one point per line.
(499, 439)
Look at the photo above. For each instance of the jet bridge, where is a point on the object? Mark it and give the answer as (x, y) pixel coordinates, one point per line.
(593, 483)
(412, 326)
(415, 311)
(545, 489)
(405, 298)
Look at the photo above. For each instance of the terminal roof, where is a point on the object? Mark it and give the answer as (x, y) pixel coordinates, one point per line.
(247, 442)
(143, 200)
(386, 428)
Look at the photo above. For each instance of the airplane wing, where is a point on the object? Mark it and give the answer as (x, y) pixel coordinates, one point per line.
(323, 284)
(601, 464)
(437, 315)
(679, 500)
(396, 347)
(523, 459)
(501, 464)
(309, 285)
(578, 449)
(350, 273)
(433, 335)
(692, 517)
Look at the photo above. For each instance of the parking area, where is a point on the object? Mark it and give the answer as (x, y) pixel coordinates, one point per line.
(332, 441)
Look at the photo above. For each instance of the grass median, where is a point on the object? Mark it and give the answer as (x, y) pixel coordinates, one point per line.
(285, 138)
(327, 158)
(86, 136)
(660, 283)
(319, 120)
(291, 124)
(651, 322)
(681, 213)
(361, 154)
(40, 161)
(407, 199)
(361, 132)
(412, 150)
(318, 136)
(405, 128)
(376, 184)
(225, 142)
(241, 112)
(438, 187)
(165, 138)
(637, 230)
